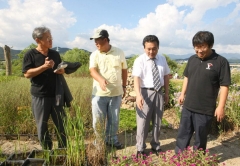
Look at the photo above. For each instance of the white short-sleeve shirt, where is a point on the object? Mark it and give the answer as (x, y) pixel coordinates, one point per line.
(142, 68)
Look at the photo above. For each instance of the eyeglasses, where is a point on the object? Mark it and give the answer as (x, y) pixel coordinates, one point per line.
(49, 38)
(201, 47)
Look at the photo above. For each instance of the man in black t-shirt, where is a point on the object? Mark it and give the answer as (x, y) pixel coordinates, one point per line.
(39, 65)
(205, 75)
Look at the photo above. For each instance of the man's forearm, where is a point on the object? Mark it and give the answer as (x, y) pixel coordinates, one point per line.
(166, 84)
(34, 72)
(223, 96)
(124, 77)
(95, 75)
(137, 86)
(184, 86)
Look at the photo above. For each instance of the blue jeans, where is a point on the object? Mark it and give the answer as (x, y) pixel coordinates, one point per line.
(105, 113)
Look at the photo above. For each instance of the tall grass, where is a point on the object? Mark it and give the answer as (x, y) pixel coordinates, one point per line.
(83, 71)
(74, 128)
(232, 119)
(15, 111)
(81, 89)
(77, 122)
(233, 108)
(16, 116)
(81, 149)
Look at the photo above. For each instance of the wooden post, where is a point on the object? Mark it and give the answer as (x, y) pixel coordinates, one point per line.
(7, 57)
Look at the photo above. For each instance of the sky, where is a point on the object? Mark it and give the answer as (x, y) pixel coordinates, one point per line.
(73, 22)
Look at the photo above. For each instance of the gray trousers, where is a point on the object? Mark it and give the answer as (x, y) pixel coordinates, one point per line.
(42, 108)
(153, 108)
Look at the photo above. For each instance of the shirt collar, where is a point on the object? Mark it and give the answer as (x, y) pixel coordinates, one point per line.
(111, 50)
(212, 56)
(147, 57)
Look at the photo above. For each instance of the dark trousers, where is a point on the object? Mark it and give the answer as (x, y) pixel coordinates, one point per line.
(42, 108)
(190, 122)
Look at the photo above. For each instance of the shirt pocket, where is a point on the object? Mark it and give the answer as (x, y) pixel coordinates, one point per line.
(116, 62)
(161, 71)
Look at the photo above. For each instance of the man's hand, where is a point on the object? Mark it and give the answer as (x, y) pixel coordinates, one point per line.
(166, 99)
(60, 71)
(181, 99)
(219, 114)
(124, 92)
(139, 101)
(103, 84)
(48, 63)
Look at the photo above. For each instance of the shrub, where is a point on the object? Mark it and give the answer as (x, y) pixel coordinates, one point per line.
(130, 61)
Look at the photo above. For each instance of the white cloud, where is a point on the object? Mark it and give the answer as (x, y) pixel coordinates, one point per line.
(174, 22)
(227, 48)
(18, 21)
(81, 42)
(175, 28)
(164, 23)
(198, 9)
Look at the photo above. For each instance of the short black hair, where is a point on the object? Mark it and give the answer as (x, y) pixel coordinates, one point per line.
(106, 38)
(203, 37)
(150, 38)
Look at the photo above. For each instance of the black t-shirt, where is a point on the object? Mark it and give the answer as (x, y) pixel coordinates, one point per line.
(204, 80)
(44, 84)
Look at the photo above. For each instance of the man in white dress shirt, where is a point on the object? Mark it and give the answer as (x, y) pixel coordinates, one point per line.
(150, 100)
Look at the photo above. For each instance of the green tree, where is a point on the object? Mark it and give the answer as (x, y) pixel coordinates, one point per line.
(171, 63)
(131, 60)
(172, 89)
(181, 68)
(77, 55)
(17, 63)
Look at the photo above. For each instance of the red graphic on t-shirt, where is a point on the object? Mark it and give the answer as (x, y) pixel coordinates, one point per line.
(209, 65)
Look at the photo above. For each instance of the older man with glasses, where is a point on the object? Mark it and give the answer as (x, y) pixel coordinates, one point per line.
(39, 65)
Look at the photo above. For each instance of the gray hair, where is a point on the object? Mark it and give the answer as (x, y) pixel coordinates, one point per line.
(39, 31)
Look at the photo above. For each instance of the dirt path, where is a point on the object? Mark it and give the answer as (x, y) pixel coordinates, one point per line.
(228, 148)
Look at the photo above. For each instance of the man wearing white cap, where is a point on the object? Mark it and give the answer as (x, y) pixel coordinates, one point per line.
(108, 68)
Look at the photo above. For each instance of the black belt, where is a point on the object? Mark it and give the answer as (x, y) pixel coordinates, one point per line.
(152, 89)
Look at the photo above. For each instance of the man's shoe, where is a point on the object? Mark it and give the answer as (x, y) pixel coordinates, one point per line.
(157, 151)
(117, 145)
(141, 154)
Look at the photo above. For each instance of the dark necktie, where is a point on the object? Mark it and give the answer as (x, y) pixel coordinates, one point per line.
(156, 77)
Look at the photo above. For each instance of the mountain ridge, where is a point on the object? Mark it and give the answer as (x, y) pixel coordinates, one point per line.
(231, 57)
